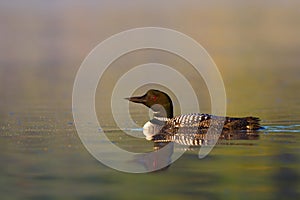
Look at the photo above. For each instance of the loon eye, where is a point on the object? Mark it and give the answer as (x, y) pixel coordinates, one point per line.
(154, 98)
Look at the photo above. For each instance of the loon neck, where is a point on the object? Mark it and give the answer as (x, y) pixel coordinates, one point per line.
(169, 110)
(159, 120)
(163, 119)
(163, 111)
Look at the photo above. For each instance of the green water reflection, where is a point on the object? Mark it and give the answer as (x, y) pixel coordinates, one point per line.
(54, 164)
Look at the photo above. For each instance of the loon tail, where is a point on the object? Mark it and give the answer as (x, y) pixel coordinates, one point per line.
(244, 123)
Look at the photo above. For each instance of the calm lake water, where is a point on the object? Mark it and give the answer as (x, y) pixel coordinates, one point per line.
(42, 47)
(43, 158)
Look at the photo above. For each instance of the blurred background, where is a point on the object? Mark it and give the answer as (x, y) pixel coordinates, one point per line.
(255, 44)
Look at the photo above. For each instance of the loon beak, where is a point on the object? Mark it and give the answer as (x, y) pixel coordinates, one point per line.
(137, 99)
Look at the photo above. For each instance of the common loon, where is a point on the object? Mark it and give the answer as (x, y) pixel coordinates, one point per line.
(193, 127)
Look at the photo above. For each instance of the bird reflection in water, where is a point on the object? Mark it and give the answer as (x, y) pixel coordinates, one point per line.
(163, 148)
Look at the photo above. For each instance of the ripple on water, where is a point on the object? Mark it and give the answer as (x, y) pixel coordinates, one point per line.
(291, 128)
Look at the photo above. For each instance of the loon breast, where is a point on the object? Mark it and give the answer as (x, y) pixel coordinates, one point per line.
(154, 127)
(150, 129)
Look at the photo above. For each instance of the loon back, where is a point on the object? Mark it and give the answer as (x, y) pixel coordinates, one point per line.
(196, 125)
(204, 121)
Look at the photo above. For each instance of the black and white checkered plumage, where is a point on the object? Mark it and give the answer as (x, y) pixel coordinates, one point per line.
(191, 129)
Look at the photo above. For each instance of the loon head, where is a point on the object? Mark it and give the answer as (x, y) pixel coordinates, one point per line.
(156, 100)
